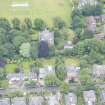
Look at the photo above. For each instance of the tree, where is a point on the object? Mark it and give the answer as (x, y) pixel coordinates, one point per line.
(16, 23)
(51, 80)
(60, 36)
(43, 49)
(18, 40)
(59, 23)
(30, 84)
(34, 49)
(64, 87)
(2, 74)
(60, 68)
(25, 49)
(96, 57)
(8, 50)
(4, 23)
(28, 23)
(85, 77)
(39, 24)
(3, 37)
(78, 25)
(60, 71)
(89, 10)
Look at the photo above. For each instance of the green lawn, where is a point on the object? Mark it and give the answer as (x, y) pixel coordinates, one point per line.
(26, 64)
(45, 9)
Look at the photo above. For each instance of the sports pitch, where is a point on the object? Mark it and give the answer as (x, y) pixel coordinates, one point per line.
(45, 9)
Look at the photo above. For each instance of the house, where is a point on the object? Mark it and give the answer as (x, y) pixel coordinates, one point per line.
(72, 72)
(47, 36)
(68, 45)
(103, 96)
(19, 101)
(17, 76)
(82, 3)
(89, 97)
(100, 36)
(36, 100)
(98, 70)
(70, 99)
(91, 24)
(103, 17)
(21, 76)
(4, 101)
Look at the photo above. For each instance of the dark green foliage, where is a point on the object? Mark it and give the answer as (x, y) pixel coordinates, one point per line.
(34, 49)
(39, 24)
(4, 23)
(51, 80)
(16, 23)
(89, 10)
(60, 69)
(59, 23)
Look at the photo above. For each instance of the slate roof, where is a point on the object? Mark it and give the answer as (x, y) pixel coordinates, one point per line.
(68, 45)
(98, 70)
(100, 36)
(103, 96)
(71, 99)
(19, 101)
(46, 35)
(91, 23)
(89, 96)
(52, 100)
(21, 76)
(4, 101)
(103, 17)
(36, 100)
(84, 2)
(72, 69)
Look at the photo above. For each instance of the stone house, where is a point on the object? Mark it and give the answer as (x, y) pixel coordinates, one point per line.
(82, 3)
(68, 45)
(103, 96)
(72, 72)
(53, 100)
(36, 100)
(19, 101)
(98, 70)
(4, 101)
(100, 36)
(91, 24)
(89, 97)
(47, 36)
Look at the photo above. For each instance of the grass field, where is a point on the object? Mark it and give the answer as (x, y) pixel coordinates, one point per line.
(26, 64)
(45, 9)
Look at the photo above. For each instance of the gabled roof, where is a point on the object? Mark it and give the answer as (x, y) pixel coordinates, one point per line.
(52, 100)
(19, 101)
(38, 100)
(89, 96)
(103, 96)
(72, 69)
(4, 101)
(46, 35)
(100, 36)
(98, 69)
